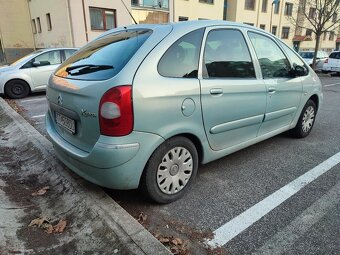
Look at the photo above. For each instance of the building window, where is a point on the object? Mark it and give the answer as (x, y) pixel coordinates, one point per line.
(34, 26)
(249, 5)
(285, 33)
(135, 2)
(250, 24)
(309, 32)
(324, 36)
(312, 13)
(102, 19)
(277, 7)
(274, 29)
(264, 5)
(207, 1)
(334, 18)
(288, 9)
(263, 26)
(331, 35)
(49, 23)
(181, 18)
(39, 25)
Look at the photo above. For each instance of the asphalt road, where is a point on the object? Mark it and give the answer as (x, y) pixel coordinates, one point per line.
(240, 192)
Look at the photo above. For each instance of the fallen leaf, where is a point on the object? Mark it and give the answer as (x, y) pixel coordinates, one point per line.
(164, 240)
(49, 229)
(41, 191)
(38, 222)
(142, 218)
(60, 227)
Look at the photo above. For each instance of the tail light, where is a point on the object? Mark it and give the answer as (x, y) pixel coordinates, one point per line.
(326, 61)
(115, 111)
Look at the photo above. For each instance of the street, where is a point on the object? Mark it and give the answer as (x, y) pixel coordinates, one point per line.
(280, 196)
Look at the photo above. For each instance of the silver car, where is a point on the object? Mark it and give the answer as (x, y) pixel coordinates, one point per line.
(31, 73)
(321, 57)
(144, 105)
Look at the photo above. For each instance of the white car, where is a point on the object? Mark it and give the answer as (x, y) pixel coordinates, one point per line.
(332, 64)
(320, 58)
(31, 73)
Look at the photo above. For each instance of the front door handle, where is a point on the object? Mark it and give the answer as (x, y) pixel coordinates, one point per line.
(216, 91)
(271, 90)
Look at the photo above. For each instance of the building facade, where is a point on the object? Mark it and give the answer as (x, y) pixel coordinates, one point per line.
(16, 38)
(152, 11)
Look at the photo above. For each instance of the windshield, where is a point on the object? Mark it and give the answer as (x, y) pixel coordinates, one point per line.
(306, 54)
(105, 57)
(26, 57)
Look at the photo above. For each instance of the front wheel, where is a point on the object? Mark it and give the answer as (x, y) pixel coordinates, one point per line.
(170, 170)
(306, 120)
(16, 89)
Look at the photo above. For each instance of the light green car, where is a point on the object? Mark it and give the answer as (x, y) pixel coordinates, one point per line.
(144, 105)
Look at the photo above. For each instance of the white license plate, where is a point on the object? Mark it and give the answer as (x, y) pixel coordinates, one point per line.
(65, 122)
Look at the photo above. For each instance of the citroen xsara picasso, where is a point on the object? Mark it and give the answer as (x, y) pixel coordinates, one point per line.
(143, 106)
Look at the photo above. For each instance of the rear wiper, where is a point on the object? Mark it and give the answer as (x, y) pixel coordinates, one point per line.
(87, 69)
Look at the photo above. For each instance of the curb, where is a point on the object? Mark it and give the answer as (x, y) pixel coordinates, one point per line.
(133, 236)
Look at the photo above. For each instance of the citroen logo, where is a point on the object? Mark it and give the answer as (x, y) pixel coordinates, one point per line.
(60, 99)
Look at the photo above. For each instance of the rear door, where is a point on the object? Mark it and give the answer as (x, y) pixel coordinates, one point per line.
(283, 90)
(233, 99)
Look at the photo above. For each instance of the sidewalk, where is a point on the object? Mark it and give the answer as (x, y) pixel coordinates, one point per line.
(95, 224)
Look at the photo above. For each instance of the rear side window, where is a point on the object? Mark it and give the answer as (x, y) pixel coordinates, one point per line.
(293, 57)
(181, 59)
(103, 58)
(226, 55)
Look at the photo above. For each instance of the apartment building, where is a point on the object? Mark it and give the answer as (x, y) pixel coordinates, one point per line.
(16, 38)
(152, 11)
(73, 23)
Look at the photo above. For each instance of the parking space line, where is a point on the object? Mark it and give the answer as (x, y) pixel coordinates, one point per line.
(284, 239)
(241, 222)
(329, 85)
(38, 116)
(32, 100)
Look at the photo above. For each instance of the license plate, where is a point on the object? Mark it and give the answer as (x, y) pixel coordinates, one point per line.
(65, 122)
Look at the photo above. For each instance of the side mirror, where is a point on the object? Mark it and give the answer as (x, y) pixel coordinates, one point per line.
(299, 70)
(36, 63)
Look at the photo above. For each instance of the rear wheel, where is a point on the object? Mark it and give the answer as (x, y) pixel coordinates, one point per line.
(17, 89)
(170, 170)
(306, 120)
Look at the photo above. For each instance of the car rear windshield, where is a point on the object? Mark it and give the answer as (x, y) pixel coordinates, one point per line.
(335, 55)
(103, 58)
(307, 54)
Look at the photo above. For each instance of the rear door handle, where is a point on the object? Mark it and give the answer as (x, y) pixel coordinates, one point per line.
(271, 90)
(216, 91)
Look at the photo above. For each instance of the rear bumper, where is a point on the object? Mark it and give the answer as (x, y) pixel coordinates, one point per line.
(113, 162)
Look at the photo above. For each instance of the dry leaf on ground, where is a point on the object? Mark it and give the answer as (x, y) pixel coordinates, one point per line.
(41, 191)
(60, 227)
(38, 222)
(44, 223)
(142, 218)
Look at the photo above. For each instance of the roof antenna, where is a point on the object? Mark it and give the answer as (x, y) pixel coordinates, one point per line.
(129, 12)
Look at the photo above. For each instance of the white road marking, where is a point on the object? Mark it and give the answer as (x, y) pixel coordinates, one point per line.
(32, 100)
(241, 222)
(284, 239)
(329, 85)
(38, 116)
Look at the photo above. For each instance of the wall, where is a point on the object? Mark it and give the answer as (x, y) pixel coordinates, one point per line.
(15, 30)
(60, 34)
(194, 10)
(78, 27)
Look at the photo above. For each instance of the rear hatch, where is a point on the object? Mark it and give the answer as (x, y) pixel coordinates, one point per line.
(76, 88)
(334, 61)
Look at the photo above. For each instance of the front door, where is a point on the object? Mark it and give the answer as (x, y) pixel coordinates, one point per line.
(48, 62)
(283, 90)
(233, 99)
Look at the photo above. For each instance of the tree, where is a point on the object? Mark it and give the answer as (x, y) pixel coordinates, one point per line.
(322, 16)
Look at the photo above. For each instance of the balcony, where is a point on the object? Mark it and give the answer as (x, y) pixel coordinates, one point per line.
(151, 4)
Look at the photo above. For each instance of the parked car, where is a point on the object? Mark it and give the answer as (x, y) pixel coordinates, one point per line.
(332, 64)
(320, 58)
(31, 73)
(144, 105)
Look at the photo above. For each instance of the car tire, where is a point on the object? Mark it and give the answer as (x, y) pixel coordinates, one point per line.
(306, 120)
(170, 170)
(16, 89)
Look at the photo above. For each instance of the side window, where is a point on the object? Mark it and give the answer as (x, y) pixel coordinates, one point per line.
(68, 53)
(181, 59)
(226, 55)
(293, 57)
(273, 62)
(49, 58)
